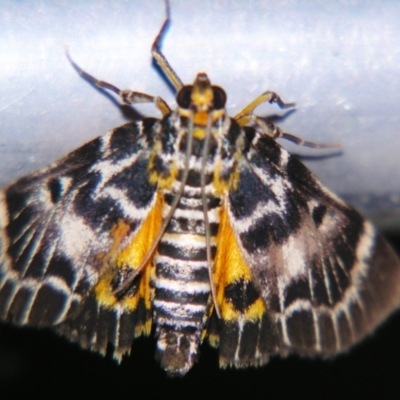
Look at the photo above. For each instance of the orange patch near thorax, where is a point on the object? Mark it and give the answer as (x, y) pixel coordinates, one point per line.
(230, 267)
(201, 118)
(131, 257)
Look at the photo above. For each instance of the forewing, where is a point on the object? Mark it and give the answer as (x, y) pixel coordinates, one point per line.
(57, 225)
(326, 276)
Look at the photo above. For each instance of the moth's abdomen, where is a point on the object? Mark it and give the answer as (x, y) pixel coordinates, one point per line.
(182, 285)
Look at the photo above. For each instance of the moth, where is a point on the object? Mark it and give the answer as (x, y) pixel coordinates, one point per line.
(195, 226)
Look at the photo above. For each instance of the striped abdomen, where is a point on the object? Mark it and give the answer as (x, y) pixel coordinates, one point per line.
(182, 284)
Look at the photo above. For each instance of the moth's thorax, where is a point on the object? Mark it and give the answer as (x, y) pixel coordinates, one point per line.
(226, 143)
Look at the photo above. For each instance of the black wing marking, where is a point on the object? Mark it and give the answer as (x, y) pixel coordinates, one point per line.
(326, 276)
(55, 223)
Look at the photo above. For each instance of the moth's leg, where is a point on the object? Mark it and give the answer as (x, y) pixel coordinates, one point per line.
(127, 96)
(275, 132)
(159, 56)
(244, 117)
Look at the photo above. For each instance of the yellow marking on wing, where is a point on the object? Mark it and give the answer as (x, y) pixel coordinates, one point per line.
(230, 267)
(103, 291)
(253, 313)
(213, 340)
(129, 258)
(133, 254)
(145, 293)
(235, 175)
(163, 181)
(118, 233)
(143, 329)
(222, 185)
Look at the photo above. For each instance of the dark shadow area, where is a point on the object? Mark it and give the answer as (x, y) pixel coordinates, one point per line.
(128, 112)
(163, 77)
(318, 157)
(278, 118)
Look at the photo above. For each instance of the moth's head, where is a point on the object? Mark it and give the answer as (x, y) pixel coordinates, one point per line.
(201, 96)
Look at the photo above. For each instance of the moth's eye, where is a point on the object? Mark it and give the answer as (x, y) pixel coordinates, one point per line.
(219, 97)
(184, 96)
